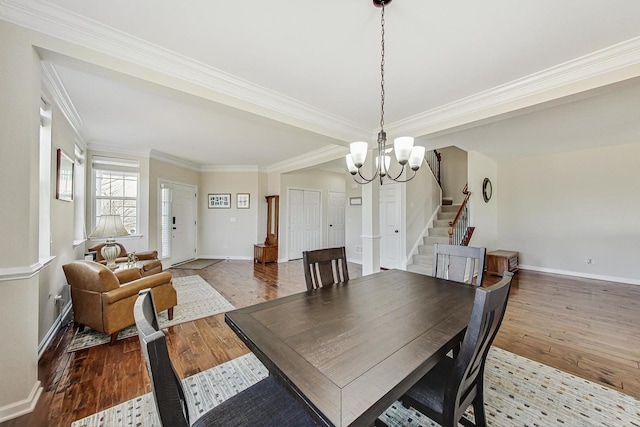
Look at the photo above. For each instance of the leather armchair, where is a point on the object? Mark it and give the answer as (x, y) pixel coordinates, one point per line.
(148, 260)
(104, 300)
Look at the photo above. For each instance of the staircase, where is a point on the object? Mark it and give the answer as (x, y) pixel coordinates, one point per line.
(423, 261)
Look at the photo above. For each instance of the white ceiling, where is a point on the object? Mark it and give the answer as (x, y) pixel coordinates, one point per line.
(261, 83)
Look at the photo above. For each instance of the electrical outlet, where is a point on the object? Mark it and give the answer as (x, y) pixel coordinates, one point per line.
(589, 261)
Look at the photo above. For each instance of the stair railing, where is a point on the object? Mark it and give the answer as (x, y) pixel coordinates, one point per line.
(433, 159)
(459, 231)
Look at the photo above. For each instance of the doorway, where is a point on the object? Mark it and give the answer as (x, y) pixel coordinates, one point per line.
(304, 221)
(178, 222)
(391, 226)
(335, 216)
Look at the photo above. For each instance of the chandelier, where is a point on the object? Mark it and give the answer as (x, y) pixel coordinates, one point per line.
(405, 151)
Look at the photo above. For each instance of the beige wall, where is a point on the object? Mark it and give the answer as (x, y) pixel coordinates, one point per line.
(160, 171)
(558, 210)
(229, 233)
(483, 216)
(453, 173)
(19, 189)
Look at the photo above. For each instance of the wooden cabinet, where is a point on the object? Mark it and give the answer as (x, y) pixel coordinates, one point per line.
(268, 251)
(501, 261)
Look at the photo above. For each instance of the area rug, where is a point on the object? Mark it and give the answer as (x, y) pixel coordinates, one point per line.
(197, 264)
(196, 299)
(518, 392)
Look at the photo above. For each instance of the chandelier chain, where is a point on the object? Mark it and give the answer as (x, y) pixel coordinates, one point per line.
(382, 69)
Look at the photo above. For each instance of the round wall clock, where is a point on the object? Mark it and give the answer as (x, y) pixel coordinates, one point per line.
(487, 190)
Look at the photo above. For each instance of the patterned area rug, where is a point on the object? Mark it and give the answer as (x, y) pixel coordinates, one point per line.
(197, 264)
(196, 299)
(518, 392)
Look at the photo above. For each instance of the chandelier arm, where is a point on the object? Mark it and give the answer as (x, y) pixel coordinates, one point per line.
(367, 180)
(405, 180)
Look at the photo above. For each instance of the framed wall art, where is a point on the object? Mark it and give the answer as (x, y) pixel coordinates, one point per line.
(64, 177)
(243, 201)
(220, 201)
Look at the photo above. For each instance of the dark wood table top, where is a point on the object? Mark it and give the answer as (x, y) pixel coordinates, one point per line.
(350, 350)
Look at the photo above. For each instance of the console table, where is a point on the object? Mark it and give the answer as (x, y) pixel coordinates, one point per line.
(500, 261)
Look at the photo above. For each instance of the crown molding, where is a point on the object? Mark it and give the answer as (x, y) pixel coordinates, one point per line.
(551, 83)
(312, 158)
(562, 80)
(230, 168)
(178, 161)
(61, 97)
(58, 22)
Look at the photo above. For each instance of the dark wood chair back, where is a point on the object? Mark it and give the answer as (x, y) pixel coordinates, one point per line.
(324, 267)
(446, 391)
(165, 383)
(458, 263)
(467, 380)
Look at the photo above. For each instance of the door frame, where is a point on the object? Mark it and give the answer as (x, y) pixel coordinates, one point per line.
(159, 213)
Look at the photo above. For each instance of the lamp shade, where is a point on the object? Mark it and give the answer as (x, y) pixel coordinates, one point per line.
(402, 146)
(109, 226)
(358, 152)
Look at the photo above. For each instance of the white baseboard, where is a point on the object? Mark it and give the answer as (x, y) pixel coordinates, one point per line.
(21, 407)
(580, 274)
(53, 330)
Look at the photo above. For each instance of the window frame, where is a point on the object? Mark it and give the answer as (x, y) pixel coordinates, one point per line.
(117, 165)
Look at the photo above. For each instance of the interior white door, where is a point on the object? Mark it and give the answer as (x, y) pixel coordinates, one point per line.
(183, 223)
(304, 221)
(312, 220)
(390, 226)
(296, 223)
(335, 216)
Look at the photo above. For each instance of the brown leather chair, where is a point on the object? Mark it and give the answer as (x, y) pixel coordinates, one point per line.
(104, 300)
(148, 260)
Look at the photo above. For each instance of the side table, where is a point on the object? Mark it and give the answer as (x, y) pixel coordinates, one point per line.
(500, 261)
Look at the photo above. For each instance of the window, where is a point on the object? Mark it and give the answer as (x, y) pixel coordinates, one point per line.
(116, 190)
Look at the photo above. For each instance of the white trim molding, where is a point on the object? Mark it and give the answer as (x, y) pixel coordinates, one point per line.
(24, 272)
(22, 407)
(580, 274)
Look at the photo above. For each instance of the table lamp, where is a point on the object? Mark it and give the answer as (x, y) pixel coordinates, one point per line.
(110, 226)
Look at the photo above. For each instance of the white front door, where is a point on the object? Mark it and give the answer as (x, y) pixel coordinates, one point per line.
(336, 216)
(179, 228)
(390, 226)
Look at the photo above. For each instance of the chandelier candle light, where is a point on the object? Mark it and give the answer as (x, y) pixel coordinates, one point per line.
(110, 226)
(403, 146)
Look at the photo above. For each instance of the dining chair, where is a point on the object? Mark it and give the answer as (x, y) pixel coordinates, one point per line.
(458, 263)
(450, 387)
(324, 267)
(266, 403)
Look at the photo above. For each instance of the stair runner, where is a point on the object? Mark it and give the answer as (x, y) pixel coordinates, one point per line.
(423, 260)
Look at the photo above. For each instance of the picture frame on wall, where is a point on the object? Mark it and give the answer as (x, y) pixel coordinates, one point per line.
(243, 201)
(219, 201)
(64, 177)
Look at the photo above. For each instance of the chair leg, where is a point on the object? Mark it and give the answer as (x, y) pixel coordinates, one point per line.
(170, 313)
(478, 412)
(79, 326)
(114, 338)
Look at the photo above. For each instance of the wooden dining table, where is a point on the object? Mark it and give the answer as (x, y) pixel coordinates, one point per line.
(350, 350)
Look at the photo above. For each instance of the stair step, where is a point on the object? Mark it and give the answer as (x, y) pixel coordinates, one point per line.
(450, 208)
(441, 222)
(423, 259)
(439, 231)
(425, 250)
(447, 201)
(430, 240)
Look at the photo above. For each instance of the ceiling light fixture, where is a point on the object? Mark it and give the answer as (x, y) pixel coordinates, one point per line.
(403, 146)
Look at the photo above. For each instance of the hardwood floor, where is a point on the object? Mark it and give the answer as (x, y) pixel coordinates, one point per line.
(586, 327)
